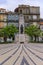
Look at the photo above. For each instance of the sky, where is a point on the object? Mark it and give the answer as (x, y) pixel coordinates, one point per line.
(12, 4)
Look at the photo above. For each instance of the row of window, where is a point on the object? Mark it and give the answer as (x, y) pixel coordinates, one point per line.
(16, 17)
(2, 11)
(31, 10)
(34, 17)
(13, 17)
(9, 17)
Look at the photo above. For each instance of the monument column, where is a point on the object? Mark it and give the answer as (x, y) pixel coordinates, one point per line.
(21, 29)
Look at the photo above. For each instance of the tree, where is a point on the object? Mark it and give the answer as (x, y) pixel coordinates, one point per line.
(12, 31)
(1, 33)
(33, 30)
(9, 31)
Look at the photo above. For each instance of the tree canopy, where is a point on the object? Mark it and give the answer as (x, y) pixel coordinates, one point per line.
(32, 30)
(8, 31)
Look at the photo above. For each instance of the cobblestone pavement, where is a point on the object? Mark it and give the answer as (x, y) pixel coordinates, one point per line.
(21, 54)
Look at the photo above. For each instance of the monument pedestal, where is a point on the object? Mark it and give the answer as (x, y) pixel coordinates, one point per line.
(21, 38)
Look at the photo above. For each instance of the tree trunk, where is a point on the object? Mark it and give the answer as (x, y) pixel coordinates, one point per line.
(13, 38)
(35, 39)
(5, 39)
(31, 38)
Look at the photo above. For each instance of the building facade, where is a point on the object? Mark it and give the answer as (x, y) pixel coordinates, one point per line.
(31, 13)
(13, 19)
(3, 17)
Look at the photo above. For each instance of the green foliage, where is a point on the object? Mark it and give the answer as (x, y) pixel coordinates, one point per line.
(1, 33)
(8, 31)
(41, 34)
(32, 30)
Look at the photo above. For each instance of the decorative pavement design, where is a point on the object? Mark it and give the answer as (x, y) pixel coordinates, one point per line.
(24, 61)
(21, 54)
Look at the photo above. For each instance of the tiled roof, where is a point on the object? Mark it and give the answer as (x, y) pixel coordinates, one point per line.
(2, 9)
(41, 23)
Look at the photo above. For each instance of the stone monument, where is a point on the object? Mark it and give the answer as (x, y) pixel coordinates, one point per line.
(21, 29)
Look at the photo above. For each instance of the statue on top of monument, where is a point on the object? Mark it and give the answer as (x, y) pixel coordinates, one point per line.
(21, 28)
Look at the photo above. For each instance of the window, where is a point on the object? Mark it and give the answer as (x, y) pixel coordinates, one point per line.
(27, 11)
(20, 11)
(16, 16)
(41, 27)
(27, 17)
(30, 17)
(34, 17)
(5, 18)
(0, 10)
(3, 11)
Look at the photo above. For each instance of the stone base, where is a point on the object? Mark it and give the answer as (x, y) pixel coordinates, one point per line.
(21, 38)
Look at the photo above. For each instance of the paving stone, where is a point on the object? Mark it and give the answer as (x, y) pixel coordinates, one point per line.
(21, 54)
